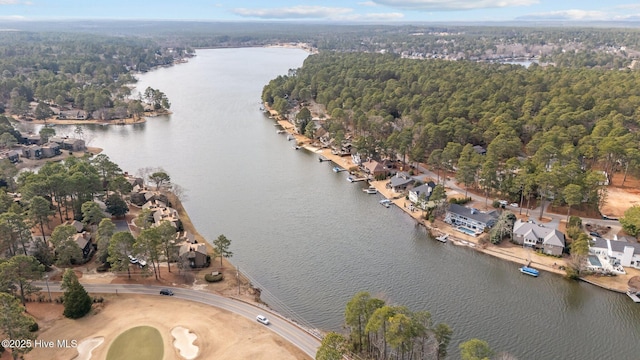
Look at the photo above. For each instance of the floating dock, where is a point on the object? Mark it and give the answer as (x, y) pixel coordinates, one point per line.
(633, 296)
(352, 179)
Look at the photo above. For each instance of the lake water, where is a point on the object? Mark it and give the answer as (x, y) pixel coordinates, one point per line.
(313, 240)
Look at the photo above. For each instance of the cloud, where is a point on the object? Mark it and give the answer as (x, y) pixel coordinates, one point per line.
(294, 12)
(453, 5)
(574, 14)
(372, 17)
(368, 3)
(9, 2)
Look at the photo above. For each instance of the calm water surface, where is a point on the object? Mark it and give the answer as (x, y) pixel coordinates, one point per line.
(313, 240)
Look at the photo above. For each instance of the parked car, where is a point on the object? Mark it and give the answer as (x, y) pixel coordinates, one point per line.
(142, 263)
(262, 319)
(515, 205)
(132, 259)
(167, 292)
(593, 233)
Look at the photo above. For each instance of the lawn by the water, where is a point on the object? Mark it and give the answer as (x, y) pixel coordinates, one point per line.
(140, 343)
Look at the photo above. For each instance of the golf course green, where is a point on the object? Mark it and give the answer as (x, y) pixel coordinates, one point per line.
(140, 343)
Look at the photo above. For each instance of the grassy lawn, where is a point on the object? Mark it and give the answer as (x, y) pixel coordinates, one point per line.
(141, 343)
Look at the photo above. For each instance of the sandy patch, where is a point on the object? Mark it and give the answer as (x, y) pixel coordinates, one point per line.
(221, 334)
(619, 200)
(86, 346)
(184, 342)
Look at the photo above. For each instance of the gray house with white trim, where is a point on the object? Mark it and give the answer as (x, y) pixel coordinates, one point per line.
(473, 219)
(537, 236)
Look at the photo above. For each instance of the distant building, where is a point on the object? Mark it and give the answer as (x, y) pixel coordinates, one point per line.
(480, 150)
(72, 115)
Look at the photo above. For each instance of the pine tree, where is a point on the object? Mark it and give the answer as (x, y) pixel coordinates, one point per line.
(77, 302)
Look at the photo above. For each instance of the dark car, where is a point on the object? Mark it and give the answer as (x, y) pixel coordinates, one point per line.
(593, 233)
(166, 292)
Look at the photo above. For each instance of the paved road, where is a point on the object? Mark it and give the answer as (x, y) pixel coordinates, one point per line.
(294, 334)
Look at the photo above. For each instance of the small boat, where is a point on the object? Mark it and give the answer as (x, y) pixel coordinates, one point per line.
(529, 271)
(280, 131)
(350, 179)
(290, 137)
(385, 202)
(338, 169)
(370, 190)
(443, 238)
(296, 147)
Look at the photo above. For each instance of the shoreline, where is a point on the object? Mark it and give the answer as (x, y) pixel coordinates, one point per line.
(505, 251)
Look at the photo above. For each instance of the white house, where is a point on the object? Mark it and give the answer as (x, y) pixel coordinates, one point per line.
(423, 191)
(627, 253)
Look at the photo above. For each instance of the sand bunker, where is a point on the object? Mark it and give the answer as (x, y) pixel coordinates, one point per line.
(184, 342)
(86, 346)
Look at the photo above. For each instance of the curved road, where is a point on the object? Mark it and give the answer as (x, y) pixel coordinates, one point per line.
(299, 337)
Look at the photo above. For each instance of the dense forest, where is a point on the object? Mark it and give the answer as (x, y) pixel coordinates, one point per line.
(50, 67)
(75, 72)
(546, 130)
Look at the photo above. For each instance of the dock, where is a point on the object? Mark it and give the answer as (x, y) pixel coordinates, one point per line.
(352, 179)
(322, 158)
(633, 296)
(338, 169)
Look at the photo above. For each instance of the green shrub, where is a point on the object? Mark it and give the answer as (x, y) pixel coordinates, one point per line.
(574, 221)
(33, 327)
(213, 278)
(459, 201)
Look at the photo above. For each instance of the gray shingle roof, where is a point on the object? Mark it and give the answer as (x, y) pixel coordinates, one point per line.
(473, 214)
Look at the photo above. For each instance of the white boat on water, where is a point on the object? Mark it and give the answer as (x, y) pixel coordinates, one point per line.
(443, 238)
(370, 190)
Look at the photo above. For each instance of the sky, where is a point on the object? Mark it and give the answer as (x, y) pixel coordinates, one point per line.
(378, 11)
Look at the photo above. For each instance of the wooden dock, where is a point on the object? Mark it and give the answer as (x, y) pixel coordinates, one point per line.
(352, 179)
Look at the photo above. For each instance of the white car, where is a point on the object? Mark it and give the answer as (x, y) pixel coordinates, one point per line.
(132, 259)
(262, 319)
(514, 205)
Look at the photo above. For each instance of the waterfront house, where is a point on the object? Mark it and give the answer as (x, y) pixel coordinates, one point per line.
(32, 152)
(622, 252)
(420, 195)
(400, 181)
(195, 255)
(72, 115)
(537, 236)
(472, 219)
(374, 168)
(73, 144)
(33, 139)
(50, 149)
